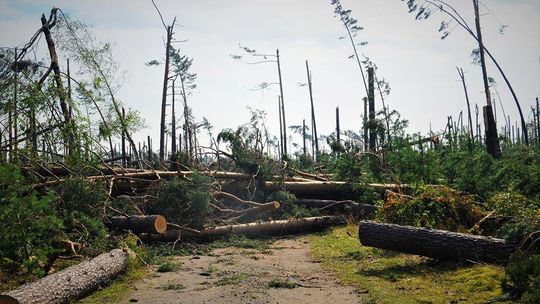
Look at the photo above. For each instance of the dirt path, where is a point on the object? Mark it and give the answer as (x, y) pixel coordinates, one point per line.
(285, 273)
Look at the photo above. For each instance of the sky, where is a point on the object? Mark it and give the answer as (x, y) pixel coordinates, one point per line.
(418, 65)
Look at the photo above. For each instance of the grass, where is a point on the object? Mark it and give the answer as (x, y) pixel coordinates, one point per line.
(172, 286)
(280, 283)
(388, 277)
(232, 279)
(167, 267)
(114, 292)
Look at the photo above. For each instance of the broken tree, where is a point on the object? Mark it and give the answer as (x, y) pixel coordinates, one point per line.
(71, 283)
(281, 227)
(438, 244)
(139, 223)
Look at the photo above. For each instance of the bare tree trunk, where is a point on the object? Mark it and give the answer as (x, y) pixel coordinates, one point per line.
(537, 121)
(313, 122)
(170, 29)
(46, 26)
(280, 129)
(338, 131)
(366, 136)
(124, 161)
(462, 76)
(304, 135)
(282, 105)
(492, 141)
(371, 98)
(173, 121)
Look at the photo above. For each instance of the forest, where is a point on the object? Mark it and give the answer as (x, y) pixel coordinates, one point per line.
(89, 210)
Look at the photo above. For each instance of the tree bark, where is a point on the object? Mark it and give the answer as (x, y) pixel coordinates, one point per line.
(139, 223)
(71, 283)
(281, 227)
(438, 244)
(492, 141)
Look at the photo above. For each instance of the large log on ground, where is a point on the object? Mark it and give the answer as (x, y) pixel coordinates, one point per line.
(438, 244)
(362, 210)
(139, 223)
(281, 227)
(70, 283)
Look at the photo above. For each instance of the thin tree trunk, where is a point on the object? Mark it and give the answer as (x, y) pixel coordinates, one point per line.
(462, 76)
(170, 29)
(304, 135)
(173, 121)
(371, 98)
(313, 121)
(280, 129)
(282, 105)
(366, 136)
(338, 131)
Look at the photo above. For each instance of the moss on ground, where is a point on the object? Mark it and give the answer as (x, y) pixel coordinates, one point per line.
(388, 277)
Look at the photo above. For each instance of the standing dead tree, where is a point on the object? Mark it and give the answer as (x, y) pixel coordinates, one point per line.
(423, 11)
(264, 85)
(168, 40)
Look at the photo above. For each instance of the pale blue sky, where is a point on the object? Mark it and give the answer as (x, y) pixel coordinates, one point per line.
(418, 65)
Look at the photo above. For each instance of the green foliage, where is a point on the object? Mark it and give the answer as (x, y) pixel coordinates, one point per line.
(167, 267)
(289, 208)
(524, 215)
(522, 278)
(29, 226)
(184, 202)
(433, 207)
(82, 205)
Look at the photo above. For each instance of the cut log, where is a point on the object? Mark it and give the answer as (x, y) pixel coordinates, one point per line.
(362, 210)
(139, 223)
(438, 244)
(70, 283)
(270, 228)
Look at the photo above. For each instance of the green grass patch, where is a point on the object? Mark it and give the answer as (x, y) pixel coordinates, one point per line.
(232, 279)
(168, 267)
(389, 277)
(115, 291)
(280, 283)
(172, 286)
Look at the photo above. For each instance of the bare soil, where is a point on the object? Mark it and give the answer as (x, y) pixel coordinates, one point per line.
(285, 273)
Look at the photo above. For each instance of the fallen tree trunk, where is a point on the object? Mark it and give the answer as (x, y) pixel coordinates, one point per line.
(152, 175)
(270, 228)
(248, 213)
(339, 206)
(139, 223)
(438, 244)
(330, 188)
(70, 283)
